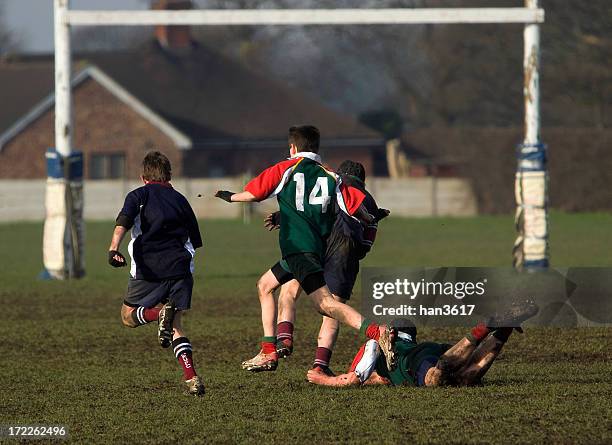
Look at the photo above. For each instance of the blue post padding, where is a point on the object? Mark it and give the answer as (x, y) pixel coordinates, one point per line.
(531, 157)
(536, 264)
(55, 165)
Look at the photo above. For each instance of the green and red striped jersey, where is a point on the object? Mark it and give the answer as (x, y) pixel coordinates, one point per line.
(307, 194)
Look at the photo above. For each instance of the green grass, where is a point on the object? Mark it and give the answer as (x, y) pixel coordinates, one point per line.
(66, 359)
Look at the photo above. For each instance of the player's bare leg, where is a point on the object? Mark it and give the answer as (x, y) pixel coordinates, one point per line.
(287, 299)
(132, 317)
(328, 334)
(182, 349)
(266, 285)
(482, 358)
(468, 361)
(267, 359)
(327, 305)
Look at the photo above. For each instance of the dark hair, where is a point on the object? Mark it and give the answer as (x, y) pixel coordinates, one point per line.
(405, 326)
(305, 138)
(352, 168)
(156, 167)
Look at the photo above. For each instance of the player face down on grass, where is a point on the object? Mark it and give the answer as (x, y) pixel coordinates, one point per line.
(433, 364)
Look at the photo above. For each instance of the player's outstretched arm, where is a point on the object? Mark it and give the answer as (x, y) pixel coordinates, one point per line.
(235, 197)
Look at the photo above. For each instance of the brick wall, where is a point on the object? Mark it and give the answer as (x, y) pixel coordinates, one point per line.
(102, 124)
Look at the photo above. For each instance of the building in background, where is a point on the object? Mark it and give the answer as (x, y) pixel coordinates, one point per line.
(212, 116)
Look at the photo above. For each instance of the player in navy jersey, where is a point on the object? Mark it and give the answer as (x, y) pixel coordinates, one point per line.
(348, 243)
(165, 234)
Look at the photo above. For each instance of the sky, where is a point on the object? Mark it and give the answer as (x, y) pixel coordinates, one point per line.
(32, 20)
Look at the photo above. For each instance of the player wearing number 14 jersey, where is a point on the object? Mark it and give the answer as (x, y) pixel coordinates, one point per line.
(307, 193)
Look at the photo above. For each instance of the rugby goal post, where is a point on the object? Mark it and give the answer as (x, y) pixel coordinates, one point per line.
(63, 237)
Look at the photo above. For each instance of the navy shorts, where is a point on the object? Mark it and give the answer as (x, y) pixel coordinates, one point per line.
(341, 266)
(151, 293)
(340, 270)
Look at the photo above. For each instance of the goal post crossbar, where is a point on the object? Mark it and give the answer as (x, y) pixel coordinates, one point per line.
(240, 17)
(531, 246)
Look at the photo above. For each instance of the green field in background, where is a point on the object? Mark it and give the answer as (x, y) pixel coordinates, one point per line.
(66, 359)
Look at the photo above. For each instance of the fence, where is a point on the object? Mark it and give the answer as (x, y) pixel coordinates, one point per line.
(23, 200)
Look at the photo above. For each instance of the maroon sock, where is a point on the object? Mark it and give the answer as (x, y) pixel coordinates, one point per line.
(478, 333)
(142, 315)
(322, 357)
(284, 331)
(182, 351)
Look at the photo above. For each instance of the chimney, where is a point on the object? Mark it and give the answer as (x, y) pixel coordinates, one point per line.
(173, 37)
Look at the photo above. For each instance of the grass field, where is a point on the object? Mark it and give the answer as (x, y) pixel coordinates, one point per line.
(66, 359)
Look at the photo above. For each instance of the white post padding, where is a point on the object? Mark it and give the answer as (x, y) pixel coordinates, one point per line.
(63, 229)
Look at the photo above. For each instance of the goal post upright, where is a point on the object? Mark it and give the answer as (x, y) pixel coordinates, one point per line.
(531, 182)
(529, 223)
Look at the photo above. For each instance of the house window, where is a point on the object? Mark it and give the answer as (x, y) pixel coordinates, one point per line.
(107, 166)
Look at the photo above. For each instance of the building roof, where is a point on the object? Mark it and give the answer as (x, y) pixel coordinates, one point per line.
(212, 100)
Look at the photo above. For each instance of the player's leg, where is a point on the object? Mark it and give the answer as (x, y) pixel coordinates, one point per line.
(467, 361)
(307, 269)
(267, 358)
(183, 351)
(328, 334)
(142, 302)
(135, 316)
(179, 294)
(483, 357)
(341, 269)
(287, 299)
(459, 354)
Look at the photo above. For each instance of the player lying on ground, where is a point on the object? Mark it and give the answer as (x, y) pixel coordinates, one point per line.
(349, 242)
(432, 364)
(307, 194)
(165, 234)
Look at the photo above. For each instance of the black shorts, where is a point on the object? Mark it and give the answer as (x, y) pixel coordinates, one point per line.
(305, 267)
(341, 266)
(151, 293)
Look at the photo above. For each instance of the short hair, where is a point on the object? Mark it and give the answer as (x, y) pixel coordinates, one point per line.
(352, 168)
(156, 167)
(405, 326)
(305, 138)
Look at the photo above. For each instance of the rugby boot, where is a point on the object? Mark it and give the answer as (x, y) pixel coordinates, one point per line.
(261, 362)
(385, 342)
(195, 386)
(516, 314)
(164, 324)
(284, 348)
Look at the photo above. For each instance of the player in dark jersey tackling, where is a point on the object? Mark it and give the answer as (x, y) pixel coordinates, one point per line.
(307, 194)
(433, 364)
(165, 235)
(349, 242)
